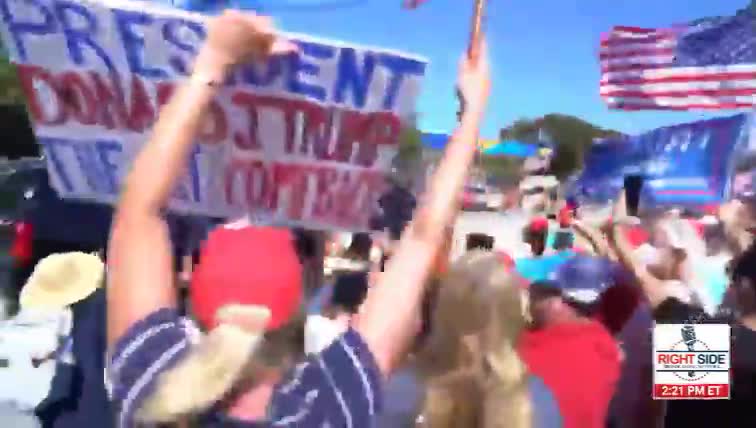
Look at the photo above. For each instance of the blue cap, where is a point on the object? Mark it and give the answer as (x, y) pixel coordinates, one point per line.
(585, 278)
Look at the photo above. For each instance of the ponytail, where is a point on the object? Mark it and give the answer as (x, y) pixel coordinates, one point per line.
(211, 369)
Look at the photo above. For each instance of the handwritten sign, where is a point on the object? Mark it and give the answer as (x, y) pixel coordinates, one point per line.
(303, 140)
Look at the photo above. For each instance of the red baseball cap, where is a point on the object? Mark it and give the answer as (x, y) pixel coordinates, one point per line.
(538, 224)
(565, 216)
(247, 266)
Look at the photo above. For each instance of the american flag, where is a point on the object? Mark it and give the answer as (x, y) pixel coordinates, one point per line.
(708, 64)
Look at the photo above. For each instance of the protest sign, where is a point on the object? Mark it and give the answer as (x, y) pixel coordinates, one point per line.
(304, 140)
(686, 164)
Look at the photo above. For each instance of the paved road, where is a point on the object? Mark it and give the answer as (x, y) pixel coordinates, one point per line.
(5, 267)
(505, 228)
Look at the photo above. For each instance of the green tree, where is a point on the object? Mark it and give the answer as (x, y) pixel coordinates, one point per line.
(10, 89)
(410, 144)
(571, 136)
(501, 168)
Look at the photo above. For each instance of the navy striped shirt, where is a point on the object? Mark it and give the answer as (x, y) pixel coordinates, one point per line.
(339, 387)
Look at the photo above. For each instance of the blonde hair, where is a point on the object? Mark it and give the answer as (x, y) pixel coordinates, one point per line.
(474, 377)
(228, 355)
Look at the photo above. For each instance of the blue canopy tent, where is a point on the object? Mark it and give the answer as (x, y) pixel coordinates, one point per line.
(434, 140)
(438, 141)
(512, 148)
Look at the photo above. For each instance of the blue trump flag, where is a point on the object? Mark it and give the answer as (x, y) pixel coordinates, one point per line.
(605, 165)
(686, 164)
(692, 164)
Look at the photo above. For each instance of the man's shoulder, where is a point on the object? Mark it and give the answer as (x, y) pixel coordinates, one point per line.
(341, 383)
(674, 311)
(570, 341)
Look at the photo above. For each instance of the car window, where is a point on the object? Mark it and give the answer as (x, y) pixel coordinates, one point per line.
(477, 190)
(14, 189)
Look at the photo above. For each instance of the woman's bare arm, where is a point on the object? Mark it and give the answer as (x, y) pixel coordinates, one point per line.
(652, 287)
(140, 271)
(735, 217)
(388, 319)
(593, 236)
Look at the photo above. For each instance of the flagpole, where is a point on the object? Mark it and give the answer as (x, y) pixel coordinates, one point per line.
(476, 29)
(473, 52)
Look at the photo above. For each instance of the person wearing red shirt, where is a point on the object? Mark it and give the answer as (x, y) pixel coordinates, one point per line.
(573, 353)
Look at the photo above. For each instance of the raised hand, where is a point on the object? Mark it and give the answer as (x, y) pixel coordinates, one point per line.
(474, 81)
(235, 37)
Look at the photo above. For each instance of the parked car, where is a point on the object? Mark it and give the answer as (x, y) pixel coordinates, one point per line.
(35, 222)
(494, 200)
(474, 198)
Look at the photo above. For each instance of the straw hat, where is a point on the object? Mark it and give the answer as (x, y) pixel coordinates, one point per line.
(60, 280)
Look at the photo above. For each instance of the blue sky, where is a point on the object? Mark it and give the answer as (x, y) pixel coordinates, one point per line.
(543, 52)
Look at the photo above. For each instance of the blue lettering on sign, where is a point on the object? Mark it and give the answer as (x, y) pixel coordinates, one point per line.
(126, 23)
(399, 68)
(194, 173)
(188, 188)
(98, 162)
(298, 65)
(79, 38)
(172, 32)
(105, 151)
(51, 147)
(19, 29)
(260, 74)
(353, 77)
(94, 159)
(89, 164)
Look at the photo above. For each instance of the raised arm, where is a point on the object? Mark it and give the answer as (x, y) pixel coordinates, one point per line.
(140, 271)
(593, 236)
(652, 287)
(387, 322)
(736, 218)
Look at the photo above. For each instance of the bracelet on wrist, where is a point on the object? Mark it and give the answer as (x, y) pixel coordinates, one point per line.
(213, 80)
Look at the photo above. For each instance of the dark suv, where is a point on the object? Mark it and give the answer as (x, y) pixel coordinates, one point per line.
(35, 222)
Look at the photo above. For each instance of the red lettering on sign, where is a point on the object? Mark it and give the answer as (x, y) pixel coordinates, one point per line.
(338, 197)
(78, 98)
(110, 101)
(253, 179)
(96, 99)
(214, 129)
(310, 128)
(142, 114)
(30, 77)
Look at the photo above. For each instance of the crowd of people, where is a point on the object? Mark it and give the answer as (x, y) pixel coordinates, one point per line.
(553, 331)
